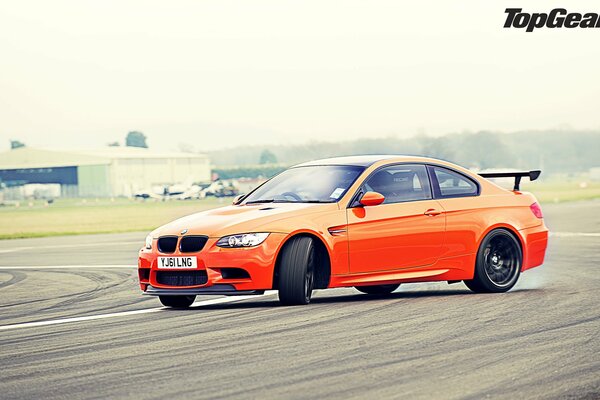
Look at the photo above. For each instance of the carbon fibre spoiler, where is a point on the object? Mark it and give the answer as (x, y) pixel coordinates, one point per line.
(533, 175)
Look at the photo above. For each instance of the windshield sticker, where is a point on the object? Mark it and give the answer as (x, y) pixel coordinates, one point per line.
(337, 193)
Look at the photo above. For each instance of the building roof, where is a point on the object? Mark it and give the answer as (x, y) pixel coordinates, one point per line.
(137, 152)
(28, 157)
(362, 161)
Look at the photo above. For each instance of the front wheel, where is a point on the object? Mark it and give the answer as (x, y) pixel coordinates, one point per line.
(297, 271)
(498, 263)
(377, 289)
(177, 301)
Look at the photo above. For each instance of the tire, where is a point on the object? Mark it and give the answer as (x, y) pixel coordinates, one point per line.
(177, 301)
(498, 263)
(377, 289)
(297, 271)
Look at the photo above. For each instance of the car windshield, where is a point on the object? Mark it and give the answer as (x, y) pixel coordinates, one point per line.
(310, 184)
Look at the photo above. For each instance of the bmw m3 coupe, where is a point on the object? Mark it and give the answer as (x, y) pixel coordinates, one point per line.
(369, 222)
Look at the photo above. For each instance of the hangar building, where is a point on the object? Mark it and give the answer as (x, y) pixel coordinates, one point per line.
(110, 171)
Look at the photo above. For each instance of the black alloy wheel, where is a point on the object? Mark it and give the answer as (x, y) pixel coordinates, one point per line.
(498, 263)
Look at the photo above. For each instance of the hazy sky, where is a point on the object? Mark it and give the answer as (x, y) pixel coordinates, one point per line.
(214, 74)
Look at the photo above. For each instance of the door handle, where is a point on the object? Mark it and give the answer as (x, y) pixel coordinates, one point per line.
(432, 212)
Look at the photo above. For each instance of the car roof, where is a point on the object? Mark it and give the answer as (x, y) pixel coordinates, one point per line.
(363, 161)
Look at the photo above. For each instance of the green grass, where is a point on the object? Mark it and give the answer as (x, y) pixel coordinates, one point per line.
(552, 191)
(85, 216)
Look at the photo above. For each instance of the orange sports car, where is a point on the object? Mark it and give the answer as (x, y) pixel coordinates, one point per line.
(371, 222)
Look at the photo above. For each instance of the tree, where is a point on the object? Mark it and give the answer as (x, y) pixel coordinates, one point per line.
(136, 139)
(113, 144)
(483, 150)
(267, 157)
(438, 147)
(15, 144)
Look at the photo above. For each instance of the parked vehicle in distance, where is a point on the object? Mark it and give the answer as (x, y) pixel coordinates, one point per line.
(191, 191)
(371, 222)
(221, 188)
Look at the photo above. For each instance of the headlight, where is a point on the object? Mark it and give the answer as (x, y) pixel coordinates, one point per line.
(149, 242)
(242, 240)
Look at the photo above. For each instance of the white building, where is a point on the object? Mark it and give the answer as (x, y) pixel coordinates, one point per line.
(110, 171)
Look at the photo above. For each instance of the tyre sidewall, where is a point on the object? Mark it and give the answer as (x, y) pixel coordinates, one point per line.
(177, 301)
(378, 289)
(295, 259)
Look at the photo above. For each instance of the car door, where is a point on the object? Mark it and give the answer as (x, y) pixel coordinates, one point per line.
(458, 194)
(406, 230)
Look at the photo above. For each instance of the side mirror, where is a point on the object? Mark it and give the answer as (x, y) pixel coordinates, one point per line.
(372, 199)
(237, 199)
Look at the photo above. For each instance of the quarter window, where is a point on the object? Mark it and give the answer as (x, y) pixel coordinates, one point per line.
(400, 183)
(453, 184)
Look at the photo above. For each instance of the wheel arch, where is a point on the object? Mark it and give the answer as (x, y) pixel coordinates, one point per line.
(323, 253)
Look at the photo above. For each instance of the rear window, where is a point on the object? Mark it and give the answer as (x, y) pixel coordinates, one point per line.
(453, 184)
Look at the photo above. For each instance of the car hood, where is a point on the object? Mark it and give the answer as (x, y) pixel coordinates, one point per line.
(239, 219)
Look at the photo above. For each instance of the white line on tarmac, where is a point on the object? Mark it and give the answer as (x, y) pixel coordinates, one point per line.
(66, 246)
(68, 266)
(575, 234)
(220, 300)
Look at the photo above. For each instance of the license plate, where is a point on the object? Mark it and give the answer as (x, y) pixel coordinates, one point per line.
(177, 262)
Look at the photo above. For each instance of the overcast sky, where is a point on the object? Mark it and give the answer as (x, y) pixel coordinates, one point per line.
(215, 74)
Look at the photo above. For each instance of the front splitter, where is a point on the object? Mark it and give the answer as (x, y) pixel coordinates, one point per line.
(218, 289)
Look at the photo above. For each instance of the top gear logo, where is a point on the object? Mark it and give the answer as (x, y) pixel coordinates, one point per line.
(557, 18)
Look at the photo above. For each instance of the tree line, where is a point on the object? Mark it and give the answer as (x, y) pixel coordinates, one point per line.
(554, 151)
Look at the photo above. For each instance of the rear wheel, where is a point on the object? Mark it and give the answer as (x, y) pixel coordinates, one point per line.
(297, 271)
(498, 263)
(377, 289)
(177, 301)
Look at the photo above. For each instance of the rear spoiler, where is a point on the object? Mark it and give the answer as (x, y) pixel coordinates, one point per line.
(533, 175)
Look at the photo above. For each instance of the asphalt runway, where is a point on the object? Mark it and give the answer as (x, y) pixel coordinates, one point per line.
(73, 324)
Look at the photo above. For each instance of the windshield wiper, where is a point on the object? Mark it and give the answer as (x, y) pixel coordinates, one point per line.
(284, 201)
(261, 201)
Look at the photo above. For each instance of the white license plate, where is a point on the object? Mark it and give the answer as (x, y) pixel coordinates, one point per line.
(177, 262)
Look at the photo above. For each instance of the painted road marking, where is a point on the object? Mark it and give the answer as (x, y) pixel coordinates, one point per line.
(575, 234)
(69, 266)
(66, 246)
(220, 300)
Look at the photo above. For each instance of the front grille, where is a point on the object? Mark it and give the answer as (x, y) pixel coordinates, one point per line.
(167, 244)
(182, 278)
(192, 244)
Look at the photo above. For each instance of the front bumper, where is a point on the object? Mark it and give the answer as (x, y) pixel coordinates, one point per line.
(258, 262)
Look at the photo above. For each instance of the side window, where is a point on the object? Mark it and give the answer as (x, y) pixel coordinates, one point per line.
(400, 183)
(453, 184)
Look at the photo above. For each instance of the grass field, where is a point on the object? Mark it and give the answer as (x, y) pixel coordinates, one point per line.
(562, 191)
(83, 216)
